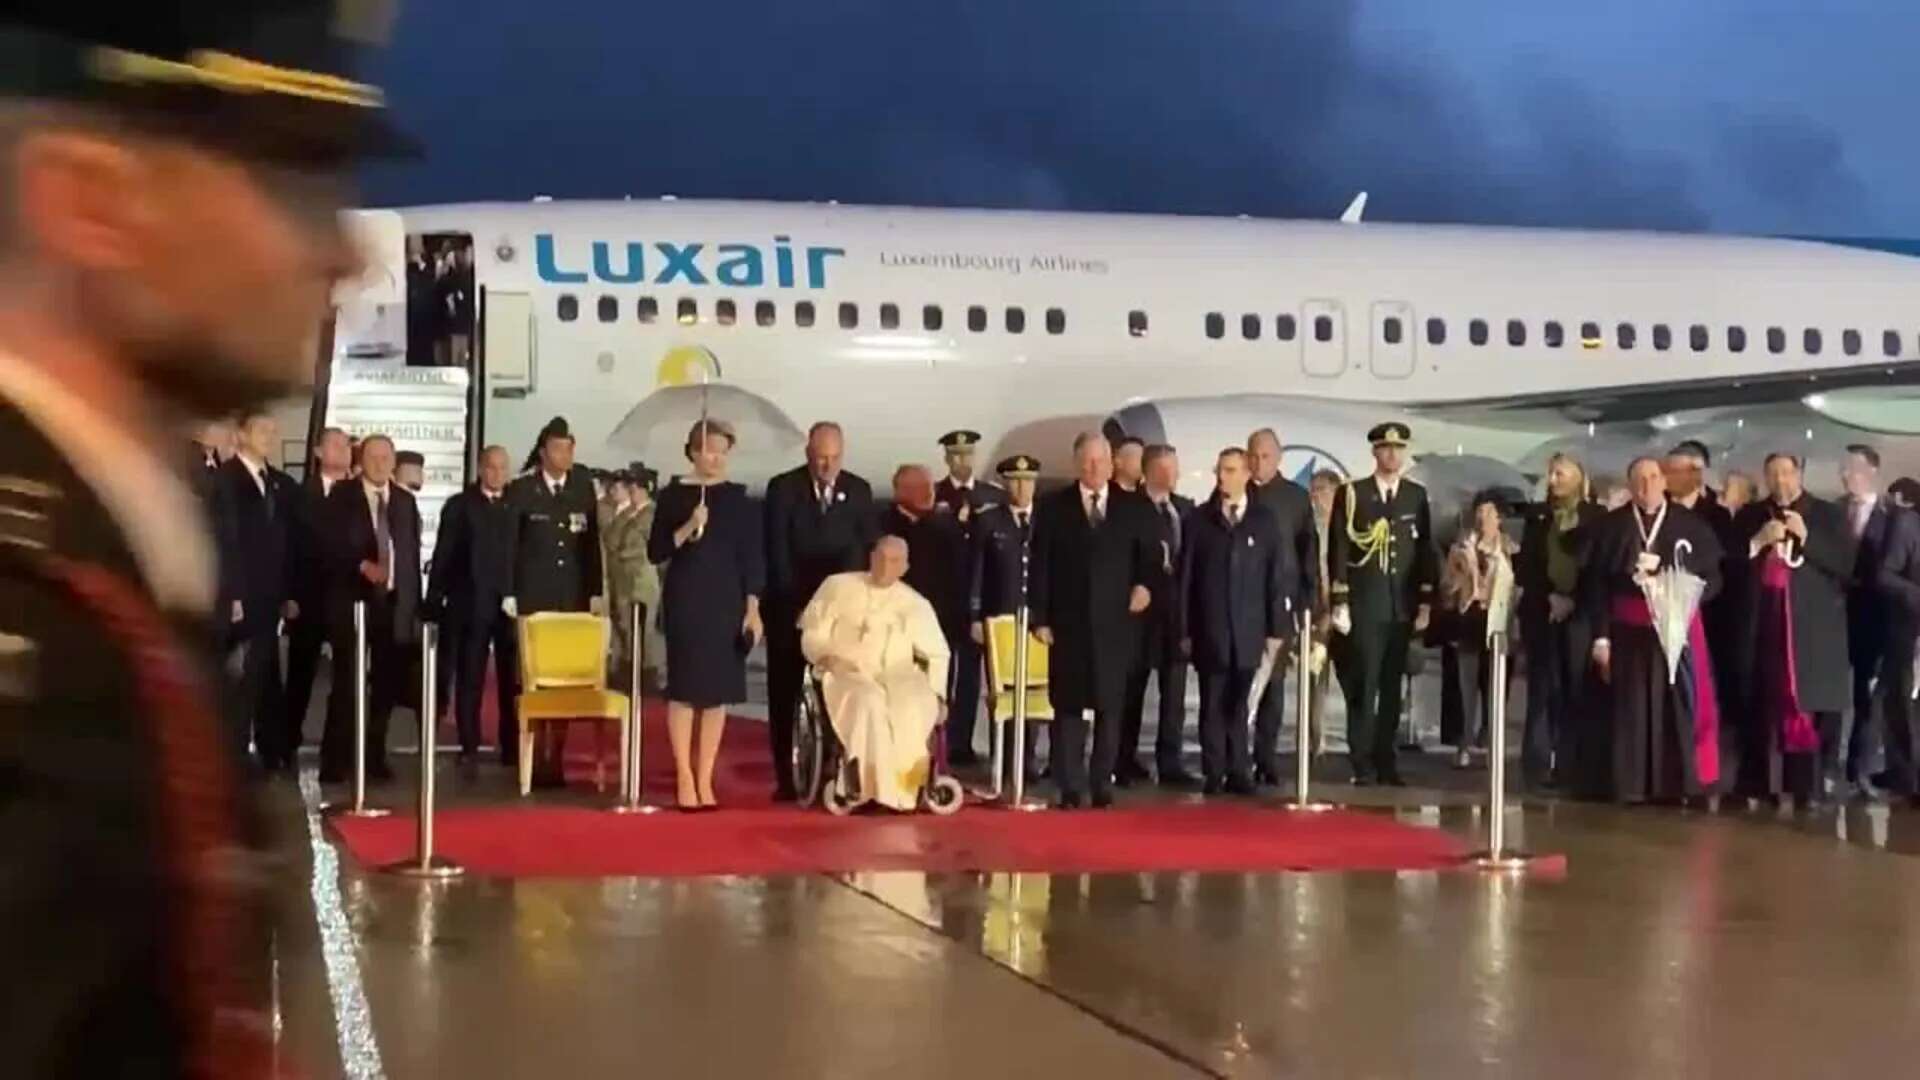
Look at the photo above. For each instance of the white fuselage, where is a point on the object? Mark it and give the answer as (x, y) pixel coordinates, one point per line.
(1050, 323)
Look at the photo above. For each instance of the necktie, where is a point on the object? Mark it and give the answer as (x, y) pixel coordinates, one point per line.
(826, 498)
(1173, 525)
(1861, 508)
(1095, 515)
(383, 537)
(1020, 520)
(1233, 515)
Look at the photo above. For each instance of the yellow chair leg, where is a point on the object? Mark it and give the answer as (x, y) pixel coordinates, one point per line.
(526, 757)
(599, 758)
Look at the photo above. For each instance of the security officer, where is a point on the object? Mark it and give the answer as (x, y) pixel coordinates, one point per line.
(557, 561)
(1002, 557)
(133, 134)
(962, 495)
(1381, 559)
(960, 491)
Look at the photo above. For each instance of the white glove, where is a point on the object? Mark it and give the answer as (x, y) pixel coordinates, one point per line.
(510, 607)
(1342, 619)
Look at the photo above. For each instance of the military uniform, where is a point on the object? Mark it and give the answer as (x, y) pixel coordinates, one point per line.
(966, 502)
(557, 565)
(1002, 556)
(633, 580)
(135, 941)
(1383, 567)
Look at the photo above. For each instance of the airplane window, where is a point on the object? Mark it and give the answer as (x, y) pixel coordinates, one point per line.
(932, 318)
(1477, 331)
(1436, 331)
(1285, 328)
(764, 313)
(977, 319)
(1662, 337)
(1890, 342)
(1216, 325)
(688, 311)
(1736, 339)
(889, 316)
(1323, 328)
(1516, 333)
(1625, 334)
(569, 308)
(1250, 327)
(1850, 342)
(1697, 337)
(723, 312)
(1056, 321)
(1553, 334)
(649, 309)
(849, 316)
(608, 308)
(1391, 331)
(1016, 320)
(1776, 340)
(803, 313)
(1589, 332)
(1810, 342)
(1137, 323)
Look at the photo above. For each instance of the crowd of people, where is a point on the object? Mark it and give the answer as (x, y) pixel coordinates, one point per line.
(1807, 614)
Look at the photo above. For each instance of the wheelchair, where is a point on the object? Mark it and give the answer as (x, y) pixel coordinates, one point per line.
(819, 773)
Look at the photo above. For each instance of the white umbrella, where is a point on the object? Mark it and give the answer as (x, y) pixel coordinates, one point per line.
(656, 428)
(1673, 596)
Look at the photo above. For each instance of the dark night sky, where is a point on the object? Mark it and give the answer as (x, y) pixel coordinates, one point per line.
(1732, 115)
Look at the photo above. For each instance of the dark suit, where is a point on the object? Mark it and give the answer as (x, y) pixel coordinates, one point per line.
(1867, 612)
(1899, 583)
(974, 500)
(1292, 510)
(939, 567)
(1235, 592)
(391, 620)
(253, 524)
(1084, 575)
(557, 557)
(307, 631)
(473, 561)
(806, 543)
(1381, 560)
(1557, 652)
(1159, 654)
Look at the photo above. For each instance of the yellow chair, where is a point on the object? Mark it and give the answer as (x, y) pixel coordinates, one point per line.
(563, 679)
(1001, 638)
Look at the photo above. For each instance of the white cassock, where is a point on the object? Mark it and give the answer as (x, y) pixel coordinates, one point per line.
(886, 710)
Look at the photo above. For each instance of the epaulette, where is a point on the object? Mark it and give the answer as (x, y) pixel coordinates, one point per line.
(26, 512)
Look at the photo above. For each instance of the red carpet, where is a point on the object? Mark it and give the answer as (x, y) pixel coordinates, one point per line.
(750, 836)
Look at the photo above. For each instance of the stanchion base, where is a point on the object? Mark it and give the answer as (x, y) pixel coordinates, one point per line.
(437, 869)
(1308, 807)
(1030, 806)
(643, 808)
(347, 810)
(1508, 861)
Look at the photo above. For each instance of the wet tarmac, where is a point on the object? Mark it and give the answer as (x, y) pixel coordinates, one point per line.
(1676, 944)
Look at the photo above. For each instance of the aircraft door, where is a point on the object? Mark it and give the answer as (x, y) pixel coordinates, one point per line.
(1390, 341)
(1323, 328)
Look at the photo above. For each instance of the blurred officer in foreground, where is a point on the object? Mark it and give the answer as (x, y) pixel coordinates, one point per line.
(168, 243)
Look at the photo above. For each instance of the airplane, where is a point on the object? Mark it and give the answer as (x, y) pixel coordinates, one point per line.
(1029, 327)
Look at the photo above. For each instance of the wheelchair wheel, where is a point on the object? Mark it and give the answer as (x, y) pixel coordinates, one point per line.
(945, 795)
(809, 748)
(836, 799)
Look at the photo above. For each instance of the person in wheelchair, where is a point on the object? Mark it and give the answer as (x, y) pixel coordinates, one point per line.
(884, 661)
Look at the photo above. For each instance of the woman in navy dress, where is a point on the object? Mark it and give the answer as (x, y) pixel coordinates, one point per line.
(706, 532)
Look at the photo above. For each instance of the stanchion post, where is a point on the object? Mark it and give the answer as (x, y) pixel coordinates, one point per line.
(1498, 856)
(1303, 801)
(1022, 633)
(358, 807)
(631, 802)
(425, 864)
